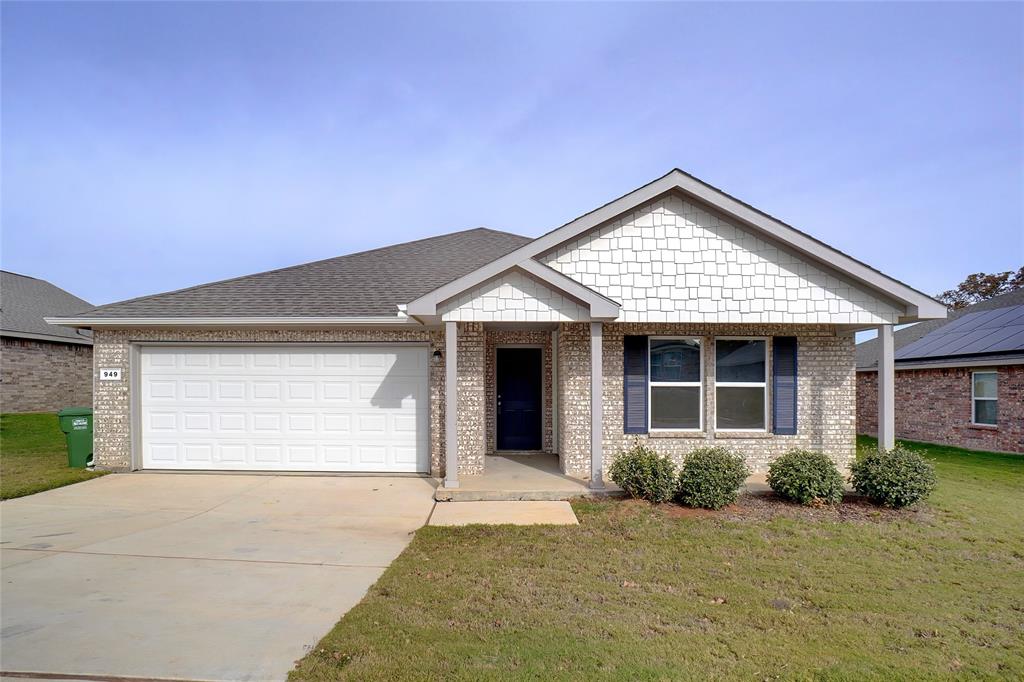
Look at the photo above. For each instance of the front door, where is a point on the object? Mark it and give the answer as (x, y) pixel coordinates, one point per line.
(519, 398)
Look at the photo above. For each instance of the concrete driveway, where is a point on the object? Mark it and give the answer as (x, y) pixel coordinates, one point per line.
(193, 576)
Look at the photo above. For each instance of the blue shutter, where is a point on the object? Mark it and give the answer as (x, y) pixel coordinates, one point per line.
(784, 374)
(634, 385)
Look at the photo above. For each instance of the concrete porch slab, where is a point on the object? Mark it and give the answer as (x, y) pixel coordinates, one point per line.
(528, 478)
(493, 513)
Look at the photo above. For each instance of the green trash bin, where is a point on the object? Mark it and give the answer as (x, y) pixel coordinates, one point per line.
(76, 423)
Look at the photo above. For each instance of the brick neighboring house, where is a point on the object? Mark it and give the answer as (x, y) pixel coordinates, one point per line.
(675, 314)
(959, 381)
(43, 368)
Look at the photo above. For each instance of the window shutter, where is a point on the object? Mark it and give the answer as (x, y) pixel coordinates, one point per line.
(784, 374)
(634, 385)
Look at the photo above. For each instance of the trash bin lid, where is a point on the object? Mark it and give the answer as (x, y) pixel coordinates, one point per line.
(75, 412)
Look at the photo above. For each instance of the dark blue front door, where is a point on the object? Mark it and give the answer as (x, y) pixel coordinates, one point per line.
(519, 398)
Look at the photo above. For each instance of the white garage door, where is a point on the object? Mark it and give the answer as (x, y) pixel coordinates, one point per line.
(280, 408)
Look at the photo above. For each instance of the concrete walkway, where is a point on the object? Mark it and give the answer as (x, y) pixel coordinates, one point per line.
(193, 576)
(516, 513)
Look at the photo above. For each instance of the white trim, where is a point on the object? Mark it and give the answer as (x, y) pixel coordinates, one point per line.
(225, 321)
(975, 399)
(741, 384)
(917, 304)
(685, 384)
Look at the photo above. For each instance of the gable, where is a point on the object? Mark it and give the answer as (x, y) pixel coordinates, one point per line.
(513, 296)
(672, 260)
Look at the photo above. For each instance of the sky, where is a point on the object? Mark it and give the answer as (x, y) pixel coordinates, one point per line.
(152, 146)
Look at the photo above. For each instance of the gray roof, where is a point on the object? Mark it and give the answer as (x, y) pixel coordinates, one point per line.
(367, 284)
(982, 332)
(25, 301)
(921, 341)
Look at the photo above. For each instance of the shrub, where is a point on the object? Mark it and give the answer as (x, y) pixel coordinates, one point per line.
(897, 478)
(645, 474)
(711, 478)
(806, 477)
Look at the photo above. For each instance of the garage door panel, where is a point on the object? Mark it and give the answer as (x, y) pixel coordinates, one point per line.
(340, 408)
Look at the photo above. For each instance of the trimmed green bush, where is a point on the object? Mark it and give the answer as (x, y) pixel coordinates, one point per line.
(806, 477)
(645, 474)
(897, 478)
(711, 478)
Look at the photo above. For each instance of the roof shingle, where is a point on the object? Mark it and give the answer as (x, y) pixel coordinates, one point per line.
(367, 284)
(25, 301)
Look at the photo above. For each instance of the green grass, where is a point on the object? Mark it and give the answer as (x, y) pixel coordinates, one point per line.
(33, 456)
(636, 592)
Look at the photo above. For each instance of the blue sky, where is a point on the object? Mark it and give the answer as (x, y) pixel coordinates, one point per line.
(147, 147)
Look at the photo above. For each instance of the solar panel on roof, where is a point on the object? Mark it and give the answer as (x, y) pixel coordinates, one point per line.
(987, 331)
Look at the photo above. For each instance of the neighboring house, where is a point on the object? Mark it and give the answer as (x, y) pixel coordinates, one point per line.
(958, 381)
(675, 314)
(43, 368)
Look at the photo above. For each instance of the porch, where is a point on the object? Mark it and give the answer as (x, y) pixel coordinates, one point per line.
(533, 477)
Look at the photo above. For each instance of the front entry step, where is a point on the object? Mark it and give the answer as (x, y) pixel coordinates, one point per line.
(443, 494)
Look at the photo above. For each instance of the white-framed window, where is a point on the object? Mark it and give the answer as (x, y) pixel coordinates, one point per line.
(741, 384)
(984, 394)
(675, 394)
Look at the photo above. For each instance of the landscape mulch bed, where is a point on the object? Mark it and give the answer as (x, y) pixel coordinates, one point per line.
(765, 506)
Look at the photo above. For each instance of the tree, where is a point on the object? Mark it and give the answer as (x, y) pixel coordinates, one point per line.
(981, 287)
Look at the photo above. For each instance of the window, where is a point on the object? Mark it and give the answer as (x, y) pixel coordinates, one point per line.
(676, 400)
(740, 384)
(983, 394)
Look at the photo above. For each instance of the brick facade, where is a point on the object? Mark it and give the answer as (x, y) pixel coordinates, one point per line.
(112, 405)
(826, 418)
(934, 406)
(43, 376)
(826, 400)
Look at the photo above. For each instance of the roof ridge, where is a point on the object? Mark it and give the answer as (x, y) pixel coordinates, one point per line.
(293, 267)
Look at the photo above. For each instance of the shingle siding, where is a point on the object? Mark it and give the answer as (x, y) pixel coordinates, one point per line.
(513, 297)
(673, 261)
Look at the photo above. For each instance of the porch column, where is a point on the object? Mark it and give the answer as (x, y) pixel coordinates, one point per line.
(451, 405)
(886, 389)
(596, 408)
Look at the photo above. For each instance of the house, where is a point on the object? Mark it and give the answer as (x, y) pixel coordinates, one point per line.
(42, 368)
(959, 381)
(675, 314)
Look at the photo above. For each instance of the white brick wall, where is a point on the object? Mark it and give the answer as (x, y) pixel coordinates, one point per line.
(826, 400)
(513, 297)
(672, 261)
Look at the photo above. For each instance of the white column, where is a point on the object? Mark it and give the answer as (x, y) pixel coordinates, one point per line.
(596, 408)
(451, 405)
(886, 389)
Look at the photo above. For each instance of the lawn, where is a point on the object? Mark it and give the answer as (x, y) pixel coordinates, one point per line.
(639, 592)
(33, 456)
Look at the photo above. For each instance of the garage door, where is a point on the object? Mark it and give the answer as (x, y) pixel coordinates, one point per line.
(280, 408)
